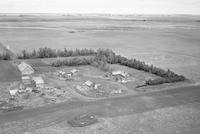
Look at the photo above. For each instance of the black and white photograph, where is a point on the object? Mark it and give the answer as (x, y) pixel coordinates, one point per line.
(99, 66)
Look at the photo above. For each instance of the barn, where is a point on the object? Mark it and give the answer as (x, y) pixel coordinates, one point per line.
(25, 69)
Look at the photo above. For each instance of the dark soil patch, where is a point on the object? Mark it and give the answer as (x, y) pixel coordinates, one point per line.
(83, 120)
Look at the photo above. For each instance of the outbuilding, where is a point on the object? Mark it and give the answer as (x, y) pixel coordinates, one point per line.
(13, 92)
(96, 86)
(39, 82)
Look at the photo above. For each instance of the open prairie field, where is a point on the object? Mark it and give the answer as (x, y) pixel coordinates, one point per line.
(165, 41)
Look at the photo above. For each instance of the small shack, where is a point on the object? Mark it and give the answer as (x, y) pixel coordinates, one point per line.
(26, 80)
(25, 69)
(38, 81)
(13, 92)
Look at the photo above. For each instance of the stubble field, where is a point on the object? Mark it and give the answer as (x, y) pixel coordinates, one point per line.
(165, 41)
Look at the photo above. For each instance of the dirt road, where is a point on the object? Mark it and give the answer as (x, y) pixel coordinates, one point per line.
(112, 107)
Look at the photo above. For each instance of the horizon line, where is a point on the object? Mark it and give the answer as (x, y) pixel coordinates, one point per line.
(64, 13)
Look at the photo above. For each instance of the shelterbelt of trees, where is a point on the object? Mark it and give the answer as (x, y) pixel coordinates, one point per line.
(5, 56)
(51, 53)
(101, 58)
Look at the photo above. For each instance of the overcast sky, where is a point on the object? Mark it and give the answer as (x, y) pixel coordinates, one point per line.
(101, 6)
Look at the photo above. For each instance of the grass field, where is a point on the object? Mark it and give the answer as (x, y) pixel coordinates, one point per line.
(8, 73)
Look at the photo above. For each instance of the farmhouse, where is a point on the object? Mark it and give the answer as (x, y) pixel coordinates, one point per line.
(89, 83)
(38, 81)
(25, 69)
(119, 73)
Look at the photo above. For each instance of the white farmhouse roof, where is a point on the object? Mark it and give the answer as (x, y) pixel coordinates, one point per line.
(25, 68)
(122, 73)
(88, 83)
(38, 80)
